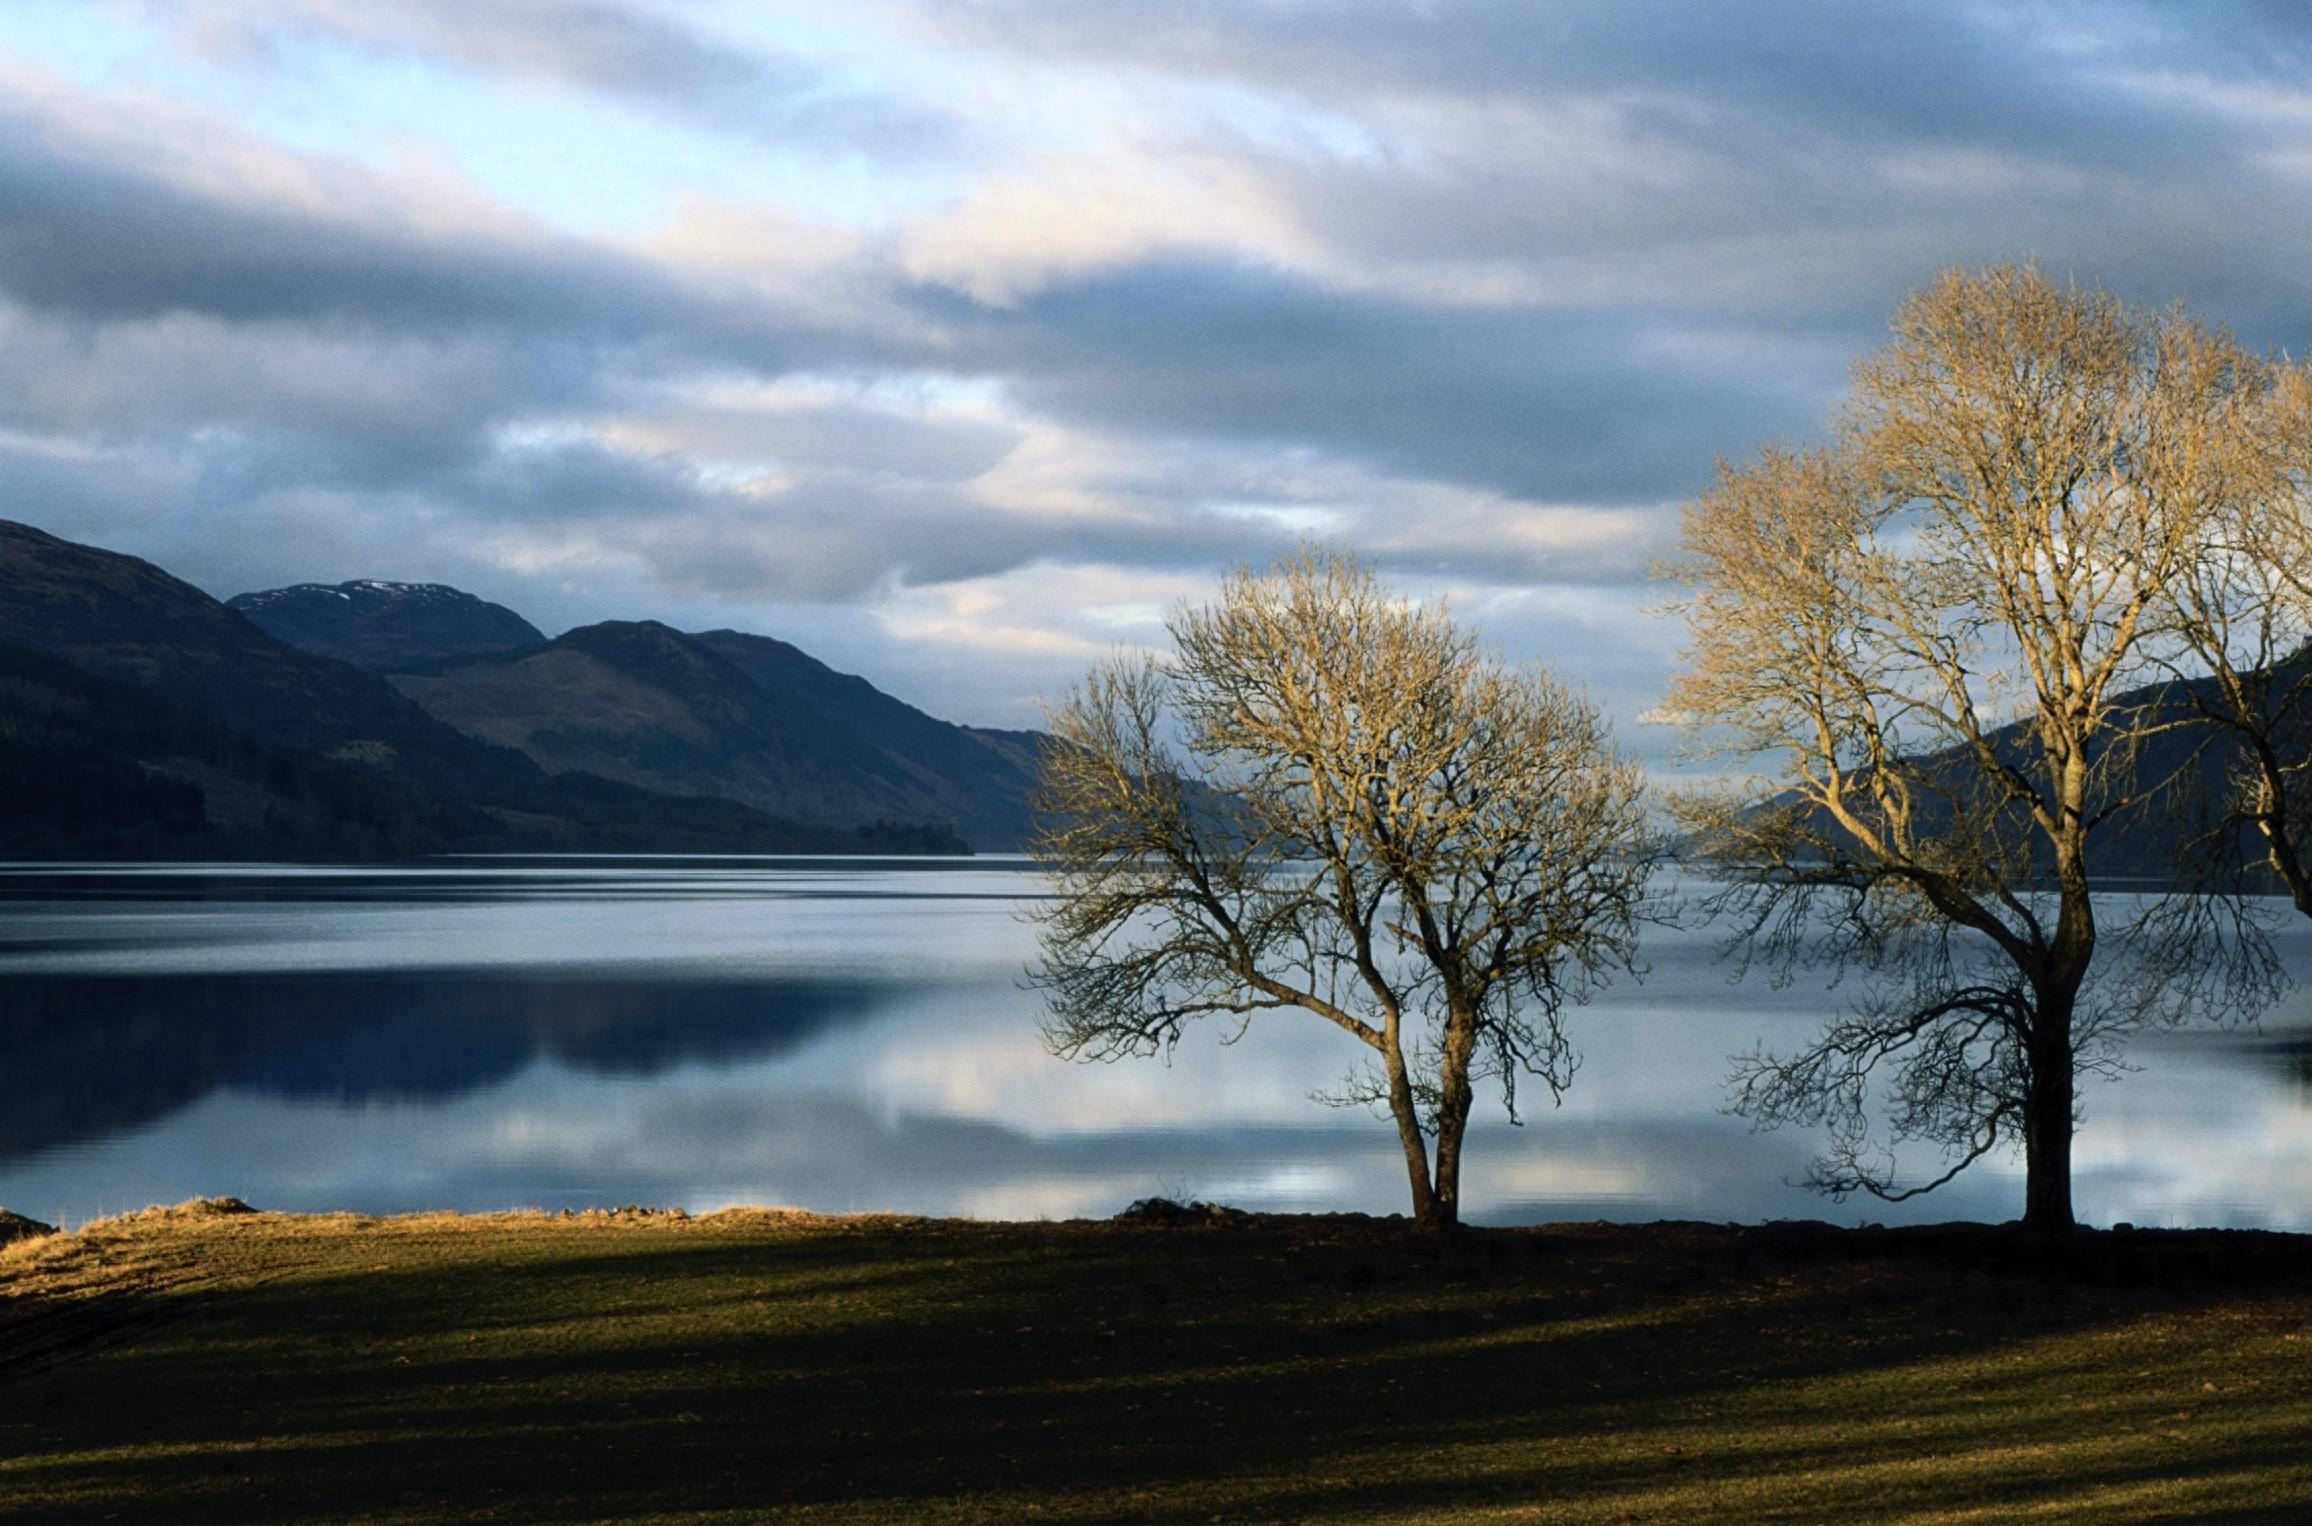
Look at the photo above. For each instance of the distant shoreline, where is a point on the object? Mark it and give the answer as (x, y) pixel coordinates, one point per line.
(2123, 1250)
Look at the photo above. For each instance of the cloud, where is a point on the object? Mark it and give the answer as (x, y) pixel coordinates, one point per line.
(821, 426)
(97, 489)
(957, 334)
(1548, 404)
(1068, 215)
(1756, 160)
(95, 232)
(1880, 68)
(652, 59)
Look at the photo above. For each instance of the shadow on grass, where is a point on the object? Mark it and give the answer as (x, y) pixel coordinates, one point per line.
(1282, 1368)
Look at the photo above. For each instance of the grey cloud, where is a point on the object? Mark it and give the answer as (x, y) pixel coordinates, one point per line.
(650, 58)
(842, 535)
(836, 434)
(575, 482)
(243, 410)
(1769, 181)
(90, 236)
(2270, 38)
(1777, 158)
(1553, 405)
(95, 494)
(1878, 69)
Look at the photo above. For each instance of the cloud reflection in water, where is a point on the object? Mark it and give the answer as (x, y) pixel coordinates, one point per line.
(854, 1038)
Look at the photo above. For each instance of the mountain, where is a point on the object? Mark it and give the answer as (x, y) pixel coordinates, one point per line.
(977, 777)
(124, 620)
(95, 767)
(140, 716)
(384, 626)
(743, 717)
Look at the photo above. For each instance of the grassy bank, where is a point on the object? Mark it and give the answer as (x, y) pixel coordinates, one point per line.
(226, 1366)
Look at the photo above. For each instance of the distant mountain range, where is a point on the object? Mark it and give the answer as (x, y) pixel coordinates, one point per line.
(721, 713)
(141, 717)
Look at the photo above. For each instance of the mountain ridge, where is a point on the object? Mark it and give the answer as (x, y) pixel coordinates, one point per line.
(381, 625)
(747, 717)
(144, 718)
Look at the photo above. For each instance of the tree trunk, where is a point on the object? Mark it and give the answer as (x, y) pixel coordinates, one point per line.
(2047, 1110)
(1446, 1211)
(2047, 1114)
(1409, 1129)
(2047, 1145)
(1454, 1099)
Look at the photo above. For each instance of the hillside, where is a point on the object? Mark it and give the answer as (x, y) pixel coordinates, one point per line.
(124, 621)
(144, 718)
(93, 767)
(739, 716)
(383, 626)
(977, 778)
(2186, 769)
(118, 618)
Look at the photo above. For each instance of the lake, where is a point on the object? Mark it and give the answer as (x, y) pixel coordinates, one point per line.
(847, 1035)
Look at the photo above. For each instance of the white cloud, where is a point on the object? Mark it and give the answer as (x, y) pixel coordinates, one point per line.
(1075, 213)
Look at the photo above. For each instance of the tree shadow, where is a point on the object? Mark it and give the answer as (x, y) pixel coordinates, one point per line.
(1284, 1368)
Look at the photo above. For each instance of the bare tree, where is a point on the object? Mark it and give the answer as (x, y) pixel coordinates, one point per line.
(1933, 632)
(2242, 615)
(1333, 800)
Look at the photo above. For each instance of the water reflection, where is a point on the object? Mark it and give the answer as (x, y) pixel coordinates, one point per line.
(852, 1036)
(113, 1052)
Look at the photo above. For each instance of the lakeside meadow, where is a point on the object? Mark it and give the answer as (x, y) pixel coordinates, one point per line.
(745, 1365)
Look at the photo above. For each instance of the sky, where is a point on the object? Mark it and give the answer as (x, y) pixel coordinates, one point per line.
(958, 340)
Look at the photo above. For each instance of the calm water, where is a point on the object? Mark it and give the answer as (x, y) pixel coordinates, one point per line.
(839, 1035)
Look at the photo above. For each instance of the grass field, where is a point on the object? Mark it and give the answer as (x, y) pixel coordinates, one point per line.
(200, 1365)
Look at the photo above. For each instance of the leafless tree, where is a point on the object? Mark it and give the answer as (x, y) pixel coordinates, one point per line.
(2242, 617)
(1333, 800)
(1931, 636)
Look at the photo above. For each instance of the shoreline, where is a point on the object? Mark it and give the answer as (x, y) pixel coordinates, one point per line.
(2122, 1251)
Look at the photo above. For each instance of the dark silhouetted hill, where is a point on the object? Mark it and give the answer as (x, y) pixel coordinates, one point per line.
(738, 716)
(384, 626)
(139, 716)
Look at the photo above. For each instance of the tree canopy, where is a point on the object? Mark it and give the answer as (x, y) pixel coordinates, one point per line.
(1931, 639)
(1333, 800)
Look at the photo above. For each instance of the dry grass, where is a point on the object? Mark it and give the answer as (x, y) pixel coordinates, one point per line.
(198, 1364)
